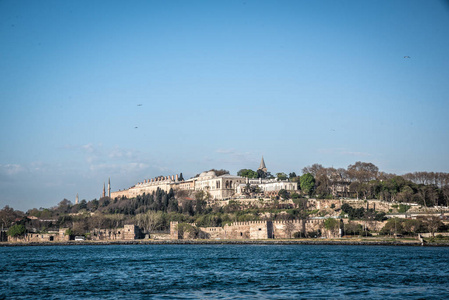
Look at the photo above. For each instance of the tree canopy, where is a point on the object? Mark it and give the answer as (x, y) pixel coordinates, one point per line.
(16, 230)
(307, 183)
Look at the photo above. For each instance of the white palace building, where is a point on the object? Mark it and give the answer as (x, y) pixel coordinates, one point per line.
(219, 187)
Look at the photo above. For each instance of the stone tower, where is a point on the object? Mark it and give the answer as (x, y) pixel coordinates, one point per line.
(262, 166)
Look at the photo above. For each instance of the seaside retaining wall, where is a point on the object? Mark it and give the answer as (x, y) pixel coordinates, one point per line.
(254, 230)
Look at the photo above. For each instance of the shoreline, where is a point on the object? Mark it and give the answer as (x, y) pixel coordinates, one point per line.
(227, 242)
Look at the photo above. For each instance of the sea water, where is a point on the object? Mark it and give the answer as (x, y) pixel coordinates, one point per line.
(223, 272)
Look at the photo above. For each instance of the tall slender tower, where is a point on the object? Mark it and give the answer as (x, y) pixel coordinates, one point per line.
(109, 187)
(262, 166)
(77, 199)
(104, 190)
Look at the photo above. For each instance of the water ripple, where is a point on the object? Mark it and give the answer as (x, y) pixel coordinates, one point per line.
(223, 272)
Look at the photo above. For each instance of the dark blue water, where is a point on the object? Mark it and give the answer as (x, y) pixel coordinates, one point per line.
(223, 271)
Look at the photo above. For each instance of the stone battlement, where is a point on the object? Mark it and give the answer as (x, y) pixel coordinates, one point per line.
(247, 223)
(287, 221)
(253, 229)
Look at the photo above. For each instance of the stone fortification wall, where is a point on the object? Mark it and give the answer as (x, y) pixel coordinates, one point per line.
(253, 230)
(428, 234)
(131, 232)
(160, 236)
(36, 237)
(286, 229)
(248, 230)
(58, 236)
(323, 204)
(371, 225)
(211, 232)
(107, 234)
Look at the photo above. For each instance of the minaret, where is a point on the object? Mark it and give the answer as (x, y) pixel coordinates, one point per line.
(76, 201)
(104, 189)
(109, 188)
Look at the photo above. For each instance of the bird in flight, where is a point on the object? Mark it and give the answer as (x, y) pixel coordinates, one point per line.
(406, 56)
(139, 104)
(136, 127)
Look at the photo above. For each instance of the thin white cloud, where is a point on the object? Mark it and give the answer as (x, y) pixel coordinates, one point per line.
(12, 169)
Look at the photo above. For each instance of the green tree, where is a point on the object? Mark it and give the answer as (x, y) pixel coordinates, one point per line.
(295, 196)
(434, 224)
(307, 184)
(16, 230)
(413, 226)
(247, 173)
(188, 230)
(283, 194)
(353, 229)
(313, 169)
(393, 226)
(200, 203)
(281, 176)
(333, 225)
(8, 215)
(261, 174)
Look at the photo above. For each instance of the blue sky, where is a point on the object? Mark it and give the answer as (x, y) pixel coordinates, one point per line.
(221, 83)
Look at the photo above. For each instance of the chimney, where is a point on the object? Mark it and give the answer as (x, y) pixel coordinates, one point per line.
(176, 177)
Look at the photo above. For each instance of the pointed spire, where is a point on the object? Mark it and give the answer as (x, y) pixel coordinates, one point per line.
(262, 165)
(109, 187)
(104, 189)
(77, 199)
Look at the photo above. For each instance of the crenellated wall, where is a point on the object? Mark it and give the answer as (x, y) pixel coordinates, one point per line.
(253, 230)
(248, 230)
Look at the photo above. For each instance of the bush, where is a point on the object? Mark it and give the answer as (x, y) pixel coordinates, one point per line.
(353, 229)
(192, 231)
(16, 230)
(403, 208)
(314, 234)
(298, 235)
